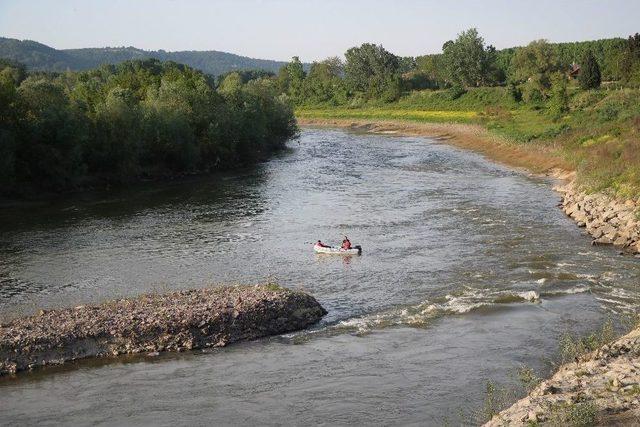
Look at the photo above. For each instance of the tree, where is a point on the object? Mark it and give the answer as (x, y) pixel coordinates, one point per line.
(140, 118)
(232, 82)
(536, 59)
(370, 69)
(533, 65)
(52, 133)
(324, 82)
(559, 103)
(434, 68)
(406, 64)
(467, 61)
(589, 72)
(291, 78)
(630, 67)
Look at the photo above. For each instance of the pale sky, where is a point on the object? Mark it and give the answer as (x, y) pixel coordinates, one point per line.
(311, 29)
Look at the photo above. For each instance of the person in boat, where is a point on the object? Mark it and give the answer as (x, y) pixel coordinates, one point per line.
(322, 245)
(346, 244)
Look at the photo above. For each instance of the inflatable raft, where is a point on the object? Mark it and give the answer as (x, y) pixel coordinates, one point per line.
(333, 250)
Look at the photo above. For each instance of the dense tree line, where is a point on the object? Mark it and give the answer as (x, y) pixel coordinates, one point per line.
(371, 73)
(136, 119)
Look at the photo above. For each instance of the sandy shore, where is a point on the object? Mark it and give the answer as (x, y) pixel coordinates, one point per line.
(200, 318)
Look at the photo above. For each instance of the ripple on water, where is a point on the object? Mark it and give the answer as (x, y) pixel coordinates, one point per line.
(453, 246)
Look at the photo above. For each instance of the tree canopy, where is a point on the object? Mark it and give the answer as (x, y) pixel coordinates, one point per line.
(136, 119)
(372, 70)
(589, 76)
(467, 61)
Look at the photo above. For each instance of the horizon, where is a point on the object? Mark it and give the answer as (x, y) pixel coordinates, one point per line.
(400, 30)
(260, 58)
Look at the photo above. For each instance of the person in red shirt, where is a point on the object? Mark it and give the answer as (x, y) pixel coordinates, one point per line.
(346, 244)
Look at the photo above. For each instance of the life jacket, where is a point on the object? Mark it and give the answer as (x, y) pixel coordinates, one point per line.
(346, 244)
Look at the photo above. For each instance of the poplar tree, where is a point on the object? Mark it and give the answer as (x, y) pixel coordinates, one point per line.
(589, 77)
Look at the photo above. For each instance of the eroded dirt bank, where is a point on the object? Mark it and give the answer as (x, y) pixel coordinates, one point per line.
(191, 319)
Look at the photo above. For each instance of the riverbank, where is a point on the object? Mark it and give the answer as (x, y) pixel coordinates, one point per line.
(607, 219)
(600, 388)
(186, 320)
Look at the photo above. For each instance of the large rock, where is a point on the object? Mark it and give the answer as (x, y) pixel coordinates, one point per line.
(209, 317)
(607, 220)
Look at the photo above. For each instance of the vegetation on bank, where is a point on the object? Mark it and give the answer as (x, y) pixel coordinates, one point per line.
(137, 119)
(524, 380)
(531, 96)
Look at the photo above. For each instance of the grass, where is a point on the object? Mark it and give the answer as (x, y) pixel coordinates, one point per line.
(598, 137)
(372, 113)
(274, 287)
(572, 346)
(573, 414)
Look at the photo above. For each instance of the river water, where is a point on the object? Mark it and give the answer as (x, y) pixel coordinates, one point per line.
(469, 270)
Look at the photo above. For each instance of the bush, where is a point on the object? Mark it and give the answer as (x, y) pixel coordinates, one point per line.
(572, 347)
(514, 91)
(455, 92)
(576, 415)
(586, 99)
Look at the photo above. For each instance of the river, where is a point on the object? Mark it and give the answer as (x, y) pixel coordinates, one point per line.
(469, 270)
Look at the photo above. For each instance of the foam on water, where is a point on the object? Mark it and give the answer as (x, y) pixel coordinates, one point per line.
(421, 314)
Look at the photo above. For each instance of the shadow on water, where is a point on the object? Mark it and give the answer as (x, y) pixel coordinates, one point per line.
(131, 200)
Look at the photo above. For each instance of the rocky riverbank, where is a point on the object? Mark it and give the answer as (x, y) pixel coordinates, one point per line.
(209, 317)
(608, 221)
(600, 388)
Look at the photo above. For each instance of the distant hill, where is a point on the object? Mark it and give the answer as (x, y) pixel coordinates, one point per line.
(40, 57)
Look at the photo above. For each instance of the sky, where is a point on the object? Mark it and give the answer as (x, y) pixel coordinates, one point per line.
(310, 29)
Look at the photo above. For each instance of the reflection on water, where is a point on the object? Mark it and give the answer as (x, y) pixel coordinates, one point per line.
(468, 270)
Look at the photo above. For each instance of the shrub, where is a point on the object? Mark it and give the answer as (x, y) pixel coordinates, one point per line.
(456, 91)
(576, 415)
(514, 91)
(589, 76)
(586, 99)
(572, 347)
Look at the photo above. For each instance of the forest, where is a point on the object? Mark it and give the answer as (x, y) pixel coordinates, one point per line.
(135, 120)
(371, 74)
